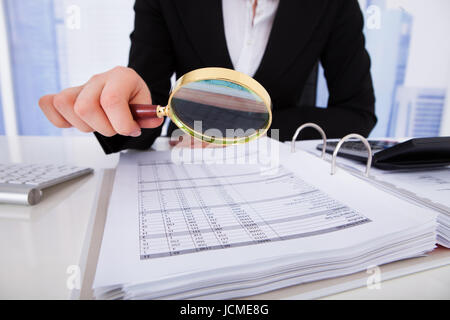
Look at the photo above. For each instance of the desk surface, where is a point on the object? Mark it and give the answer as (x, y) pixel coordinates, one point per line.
(42, 246)
(38, 244)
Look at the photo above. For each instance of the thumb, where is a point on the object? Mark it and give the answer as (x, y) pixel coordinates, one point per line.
(143, 96)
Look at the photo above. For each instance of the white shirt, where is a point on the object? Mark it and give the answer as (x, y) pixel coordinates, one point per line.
(247, 37)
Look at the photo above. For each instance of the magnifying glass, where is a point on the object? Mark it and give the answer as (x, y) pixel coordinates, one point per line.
(215, 105)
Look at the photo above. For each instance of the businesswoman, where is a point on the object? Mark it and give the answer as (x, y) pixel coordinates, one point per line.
(278, 42)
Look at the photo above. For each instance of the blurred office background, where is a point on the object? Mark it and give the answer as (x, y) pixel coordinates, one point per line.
(47, 45)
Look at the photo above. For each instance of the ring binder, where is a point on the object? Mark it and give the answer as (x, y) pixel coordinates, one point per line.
(409, 185)
(351, 136)
(336, 151)
(310, 125)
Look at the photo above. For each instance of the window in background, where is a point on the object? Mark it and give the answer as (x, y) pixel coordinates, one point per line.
(417, 112)
(55, 44)
(2, 125)
(410, 65)
(389, 47)
(33, 48)
(322, 89)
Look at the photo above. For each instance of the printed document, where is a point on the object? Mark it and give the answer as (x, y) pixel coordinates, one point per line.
(169, 223)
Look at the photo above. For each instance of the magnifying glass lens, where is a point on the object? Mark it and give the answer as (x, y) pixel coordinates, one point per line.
(220, 109)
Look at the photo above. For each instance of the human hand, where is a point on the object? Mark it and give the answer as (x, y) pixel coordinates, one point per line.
(102, 104)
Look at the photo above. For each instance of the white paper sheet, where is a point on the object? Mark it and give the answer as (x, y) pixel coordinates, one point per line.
(167, 220)
(430, 187)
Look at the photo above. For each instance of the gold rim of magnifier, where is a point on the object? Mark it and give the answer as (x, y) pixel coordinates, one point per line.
(226, 75)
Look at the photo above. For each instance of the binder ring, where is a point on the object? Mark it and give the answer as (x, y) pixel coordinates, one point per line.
(310, 125)
(366, 144)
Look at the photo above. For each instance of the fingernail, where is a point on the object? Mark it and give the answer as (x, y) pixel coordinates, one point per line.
(136, 133)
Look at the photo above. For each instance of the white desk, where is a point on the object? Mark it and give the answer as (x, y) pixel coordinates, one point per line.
(38, 244)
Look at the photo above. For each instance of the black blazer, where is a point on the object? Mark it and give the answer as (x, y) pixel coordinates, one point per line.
(180, 36)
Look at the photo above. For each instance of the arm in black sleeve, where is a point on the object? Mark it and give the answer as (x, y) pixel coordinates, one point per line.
(347, 70)
(152, 58)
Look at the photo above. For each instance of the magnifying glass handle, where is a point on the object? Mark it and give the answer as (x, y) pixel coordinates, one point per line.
(145, 111)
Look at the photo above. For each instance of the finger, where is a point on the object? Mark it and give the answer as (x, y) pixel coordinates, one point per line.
(124, 86)
(187, 141)
(150, 123)
(118, 91)
(143, 96)
(87, 107)
(46, 105)
(64, 102)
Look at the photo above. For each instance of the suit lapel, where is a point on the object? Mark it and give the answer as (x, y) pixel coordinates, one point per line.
(203, 22)
(293, 27)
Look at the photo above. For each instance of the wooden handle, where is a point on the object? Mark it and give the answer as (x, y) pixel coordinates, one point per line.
(143, 111)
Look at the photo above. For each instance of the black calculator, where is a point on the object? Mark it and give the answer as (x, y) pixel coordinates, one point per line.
(418, 153)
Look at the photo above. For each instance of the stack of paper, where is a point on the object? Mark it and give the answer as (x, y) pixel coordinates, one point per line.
(428, 187)
(210, 230)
